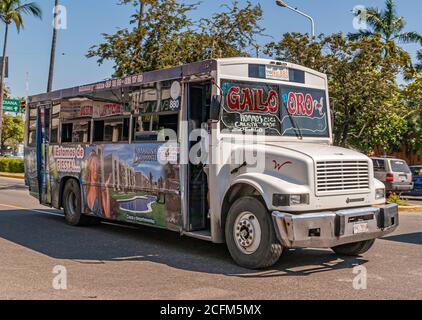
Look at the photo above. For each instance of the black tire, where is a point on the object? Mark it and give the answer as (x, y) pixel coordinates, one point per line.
(72, 205)
(354, 249)
(269, 250)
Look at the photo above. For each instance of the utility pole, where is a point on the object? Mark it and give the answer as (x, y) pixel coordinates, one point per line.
(53, 47)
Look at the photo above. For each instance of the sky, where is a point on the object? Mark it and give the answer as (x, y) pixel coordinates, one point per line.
(29, 51)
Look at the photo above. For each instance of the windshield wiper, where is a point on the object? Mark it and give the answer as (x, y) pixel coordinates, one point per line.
(298, 131)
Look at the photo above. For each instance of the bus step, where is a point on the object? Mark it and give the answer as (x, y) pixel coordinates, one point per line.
(202, 235)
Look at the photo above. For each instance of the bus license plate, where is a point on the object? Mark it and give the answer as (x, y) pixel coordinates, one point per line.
(360, 228)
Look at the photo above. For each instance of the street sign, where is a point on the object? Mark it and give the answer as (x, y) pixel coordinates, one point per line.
(11, 105)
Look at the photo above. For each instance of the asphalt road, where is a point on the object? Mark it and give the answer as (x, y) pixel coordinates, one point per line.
(113, 262)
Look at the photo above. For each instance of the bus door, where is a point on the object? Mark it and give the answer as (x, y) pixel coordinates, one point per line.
(199, 99)
(43, 143)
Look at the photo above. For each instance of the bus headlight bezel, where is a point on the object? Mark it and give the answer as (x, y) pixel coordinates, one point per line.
(380, 193)
(287, 200)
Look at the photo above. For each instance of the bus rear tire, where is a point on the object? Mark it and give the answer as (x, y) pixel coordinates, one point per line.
(250, 235)
(72, 205)
(354, 249)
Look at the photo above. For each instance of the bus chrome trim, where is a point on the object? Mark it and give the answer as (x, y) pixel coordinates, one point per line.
(333, 228)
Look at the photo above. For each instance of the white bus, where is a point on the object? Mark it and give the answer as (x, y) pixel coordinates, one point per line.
(235, 150)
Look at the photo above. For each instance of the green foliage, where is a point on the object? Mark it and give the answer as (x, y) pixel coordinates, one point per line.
(362, 86)
(11, 165)
(418, 66)
(411, 99)
(388, 25)
(370, 110)
(12, 11)
(394, 198)
(165, 36)
(13, 131)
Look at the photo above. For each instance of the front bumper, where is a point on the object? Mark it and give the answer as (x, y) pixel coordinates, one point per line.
(333, 228)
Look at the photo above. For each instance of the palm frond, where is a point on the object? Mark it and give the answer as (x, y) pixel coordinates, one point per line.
(409, 37)
(16, 17)
(398, 25)
(389, 13)
(360, 35)
(31, 8)
(374, 19)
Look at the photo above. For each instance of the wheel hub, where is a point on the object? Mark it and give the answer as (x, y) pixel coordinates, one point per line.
(247, 233)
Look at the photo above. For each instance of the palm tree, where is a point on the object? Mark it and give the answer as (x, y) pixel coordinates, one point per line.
(53, 49)
(389, 26)
(12, 11)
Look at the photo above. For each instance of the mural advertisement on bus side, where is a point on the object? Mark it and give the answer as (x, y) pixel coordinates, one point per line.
(136, 183)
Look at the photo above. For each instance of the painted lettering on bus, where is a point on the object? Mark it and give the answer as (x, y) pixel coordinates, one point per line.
(303, 105)
(252, 100)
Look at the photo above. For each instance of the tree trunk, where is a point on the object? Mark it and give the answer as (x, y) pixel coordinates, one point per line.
(53, 50)
(2, 76)
(345, 131)
(141, 14)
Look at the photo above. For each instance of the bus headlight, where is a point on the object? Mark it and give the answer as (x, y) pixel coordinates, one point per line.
(287, 200)
(379, 194)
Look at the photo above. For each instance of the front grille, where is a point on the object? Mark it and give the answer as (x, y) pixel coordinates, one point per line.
(342, 176)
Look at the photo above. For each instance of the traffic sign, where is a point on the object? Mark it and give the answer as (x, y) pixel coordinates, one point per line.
(11, 105)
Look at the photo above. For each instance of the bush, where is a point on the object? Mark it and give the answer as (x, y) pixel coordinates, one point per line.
(11, 165)
(394, 198)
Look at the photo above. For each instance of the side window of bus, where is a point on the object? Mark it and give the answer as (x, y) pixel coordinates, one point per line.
(111, 130)
(55, 123)
(67, 132)
(156, 107)
(32, 129)
(81, 132)
(149, 127)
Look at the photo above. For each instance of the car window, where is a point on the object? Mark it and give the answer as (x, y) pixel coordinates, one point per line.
(416, 171)
(379, 165)
(399, 166)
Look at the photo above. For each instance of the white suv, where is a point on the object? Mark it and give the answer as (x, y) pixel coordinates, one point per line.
(394, 173)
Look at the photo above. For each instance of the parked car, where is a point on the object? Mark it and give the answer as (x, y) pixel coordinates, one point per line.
(394, 173)
(417, 176)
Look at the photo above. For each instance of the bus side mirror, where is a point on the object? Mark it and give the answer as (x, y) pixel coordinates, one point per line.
(216, 104)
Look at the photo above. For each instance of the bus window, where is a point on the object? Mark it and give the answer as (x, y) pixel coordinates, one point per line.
(81, 132)
(147, 127)
(55, 123)
(111, 130)
(32, 129)
(67, 130)
(54, 130)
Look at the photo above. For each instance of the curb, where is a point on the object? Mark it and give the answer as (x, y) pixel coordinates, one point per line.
(12, 175)
(410, 208)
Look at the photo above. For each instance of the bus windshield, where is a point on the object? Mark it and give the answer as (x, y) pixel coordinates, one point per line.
(274, 110)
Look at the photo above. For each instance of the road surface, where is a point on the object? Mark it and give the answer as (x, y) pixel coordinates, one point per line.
(113, 262)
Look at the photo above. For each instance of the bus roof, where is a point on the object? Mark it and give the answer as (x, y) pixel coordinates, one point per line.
(196, 68)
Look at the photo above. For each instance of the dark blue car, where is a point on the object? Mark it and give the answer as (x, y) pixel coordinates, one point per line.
(417, 177)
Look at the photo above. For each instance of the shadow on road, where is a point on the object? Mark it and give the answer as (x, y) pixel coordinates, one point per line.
(13, 187)
(49, 235)
(413, 238)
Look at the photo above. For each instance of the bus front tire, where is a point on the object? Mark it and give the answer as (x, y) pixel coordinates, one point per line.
(250, 235)
(72, 205)
(354, 249)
